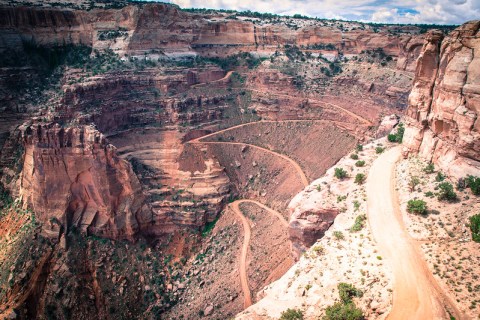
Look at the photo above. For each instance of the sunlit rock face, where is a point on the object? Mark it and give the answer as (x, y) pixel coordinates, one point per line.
(442, 117)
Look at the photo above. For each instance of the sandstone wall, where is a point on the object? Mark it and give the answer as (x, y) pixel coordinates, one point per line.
(442, 117)
(164, 28)
(73, 177)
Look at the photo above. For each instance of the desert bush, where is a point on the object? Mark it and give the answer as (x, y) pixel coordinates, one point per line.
(359, 223)
(474, 184)
(440, 177)
(346, 309)
(392, 137)
(354, 156)
(356, 205)
(446, 192)
(379, 150)
(398, 136)
(417, 206)
(341, 311)
(414, 181)
(338, 235)
(319, 250)
(475, 227)
(430, 168)
(359, 178)
(359, 147)
(291, 314)
(360, 163)
(348, 291)
(429, 194)
(340, 173)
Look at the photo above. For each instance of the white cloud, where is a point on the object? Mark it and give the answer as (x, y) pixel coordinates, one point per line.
(406, 11)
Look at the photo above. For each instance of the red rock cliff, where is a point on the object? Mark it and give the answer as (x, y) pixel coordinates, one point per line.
(444, 105)
(73, 177)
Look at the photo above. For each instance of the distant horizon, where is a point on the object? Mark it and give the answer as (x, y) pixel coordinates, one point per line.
(440, 12)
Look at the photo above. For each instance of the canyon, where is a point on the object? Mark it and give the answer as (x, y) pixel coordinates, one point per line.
(159, 162)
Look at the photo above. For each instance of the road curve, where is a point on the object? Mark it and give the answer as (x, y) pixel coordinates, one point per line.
(247, 302)
(356, 116)
(340, 124)
(246, 243)
(297, 167)
(416, 295)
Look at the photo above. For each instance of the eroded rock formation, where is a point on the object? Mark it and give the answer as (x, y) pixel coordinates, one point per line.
(72, 177)
(442, 117)
(128, 30)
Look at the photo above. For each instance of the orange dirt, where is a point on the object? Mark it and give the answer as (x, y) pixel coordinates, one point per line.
(292, 162)
(416, 294)
(246, 243)
(354, 115)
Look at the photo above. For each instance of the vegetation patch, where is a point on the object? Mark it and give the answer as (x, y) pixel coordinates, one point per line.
(446, 192)
(417, 206)
(360, 178)
(340, 173)
(359, 223)
(398, 136)
(474, 184)
(346, 309)
(292, 314)
(475, 227)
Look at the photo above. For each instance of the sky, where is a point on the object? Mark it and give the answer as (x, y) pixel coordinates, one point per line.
(389, 11)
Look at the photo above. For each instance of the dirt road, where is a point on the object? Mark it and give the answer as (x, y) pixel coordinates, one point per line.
(354, 115)
(297, 167)
(416, 295)
(246, 243)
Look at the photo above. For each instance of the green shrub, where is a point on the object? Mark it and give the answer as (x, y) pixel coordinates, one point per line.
(291, 314)
(341, 311)
(446, 192)
(474, 184)
(359, 223)
(400, 132)
(360, 163)
(414, 181)
(348, 291)
(356, 205)
(359, 147)
(440, 177)
(354, 156)
(417, 206)
(338, 235)
(359, 178)
(379, 150)
(475, 227)
(398, 136)
(429, 194)
(340, 173)
(430, 168)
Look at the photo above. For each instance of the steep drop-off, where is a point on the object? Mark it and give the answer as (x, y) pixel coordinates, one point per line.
(442, 117)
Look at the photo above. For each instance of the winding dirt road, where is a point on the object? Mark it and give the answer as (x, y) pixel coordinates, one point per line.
(297, 167)
(352, 114)
(246, 243)
(416, 294)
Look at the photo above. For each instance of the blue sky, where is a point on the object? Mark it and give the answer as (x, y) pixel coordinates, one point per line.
(400, 11)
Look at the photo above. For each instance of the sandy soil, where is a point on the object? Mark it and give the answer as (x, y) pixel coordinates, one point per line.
(340, 256)
(443, 234)
(315, 145)
(243, 255)
(292, 162)
(247, 233)
(416, 295)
